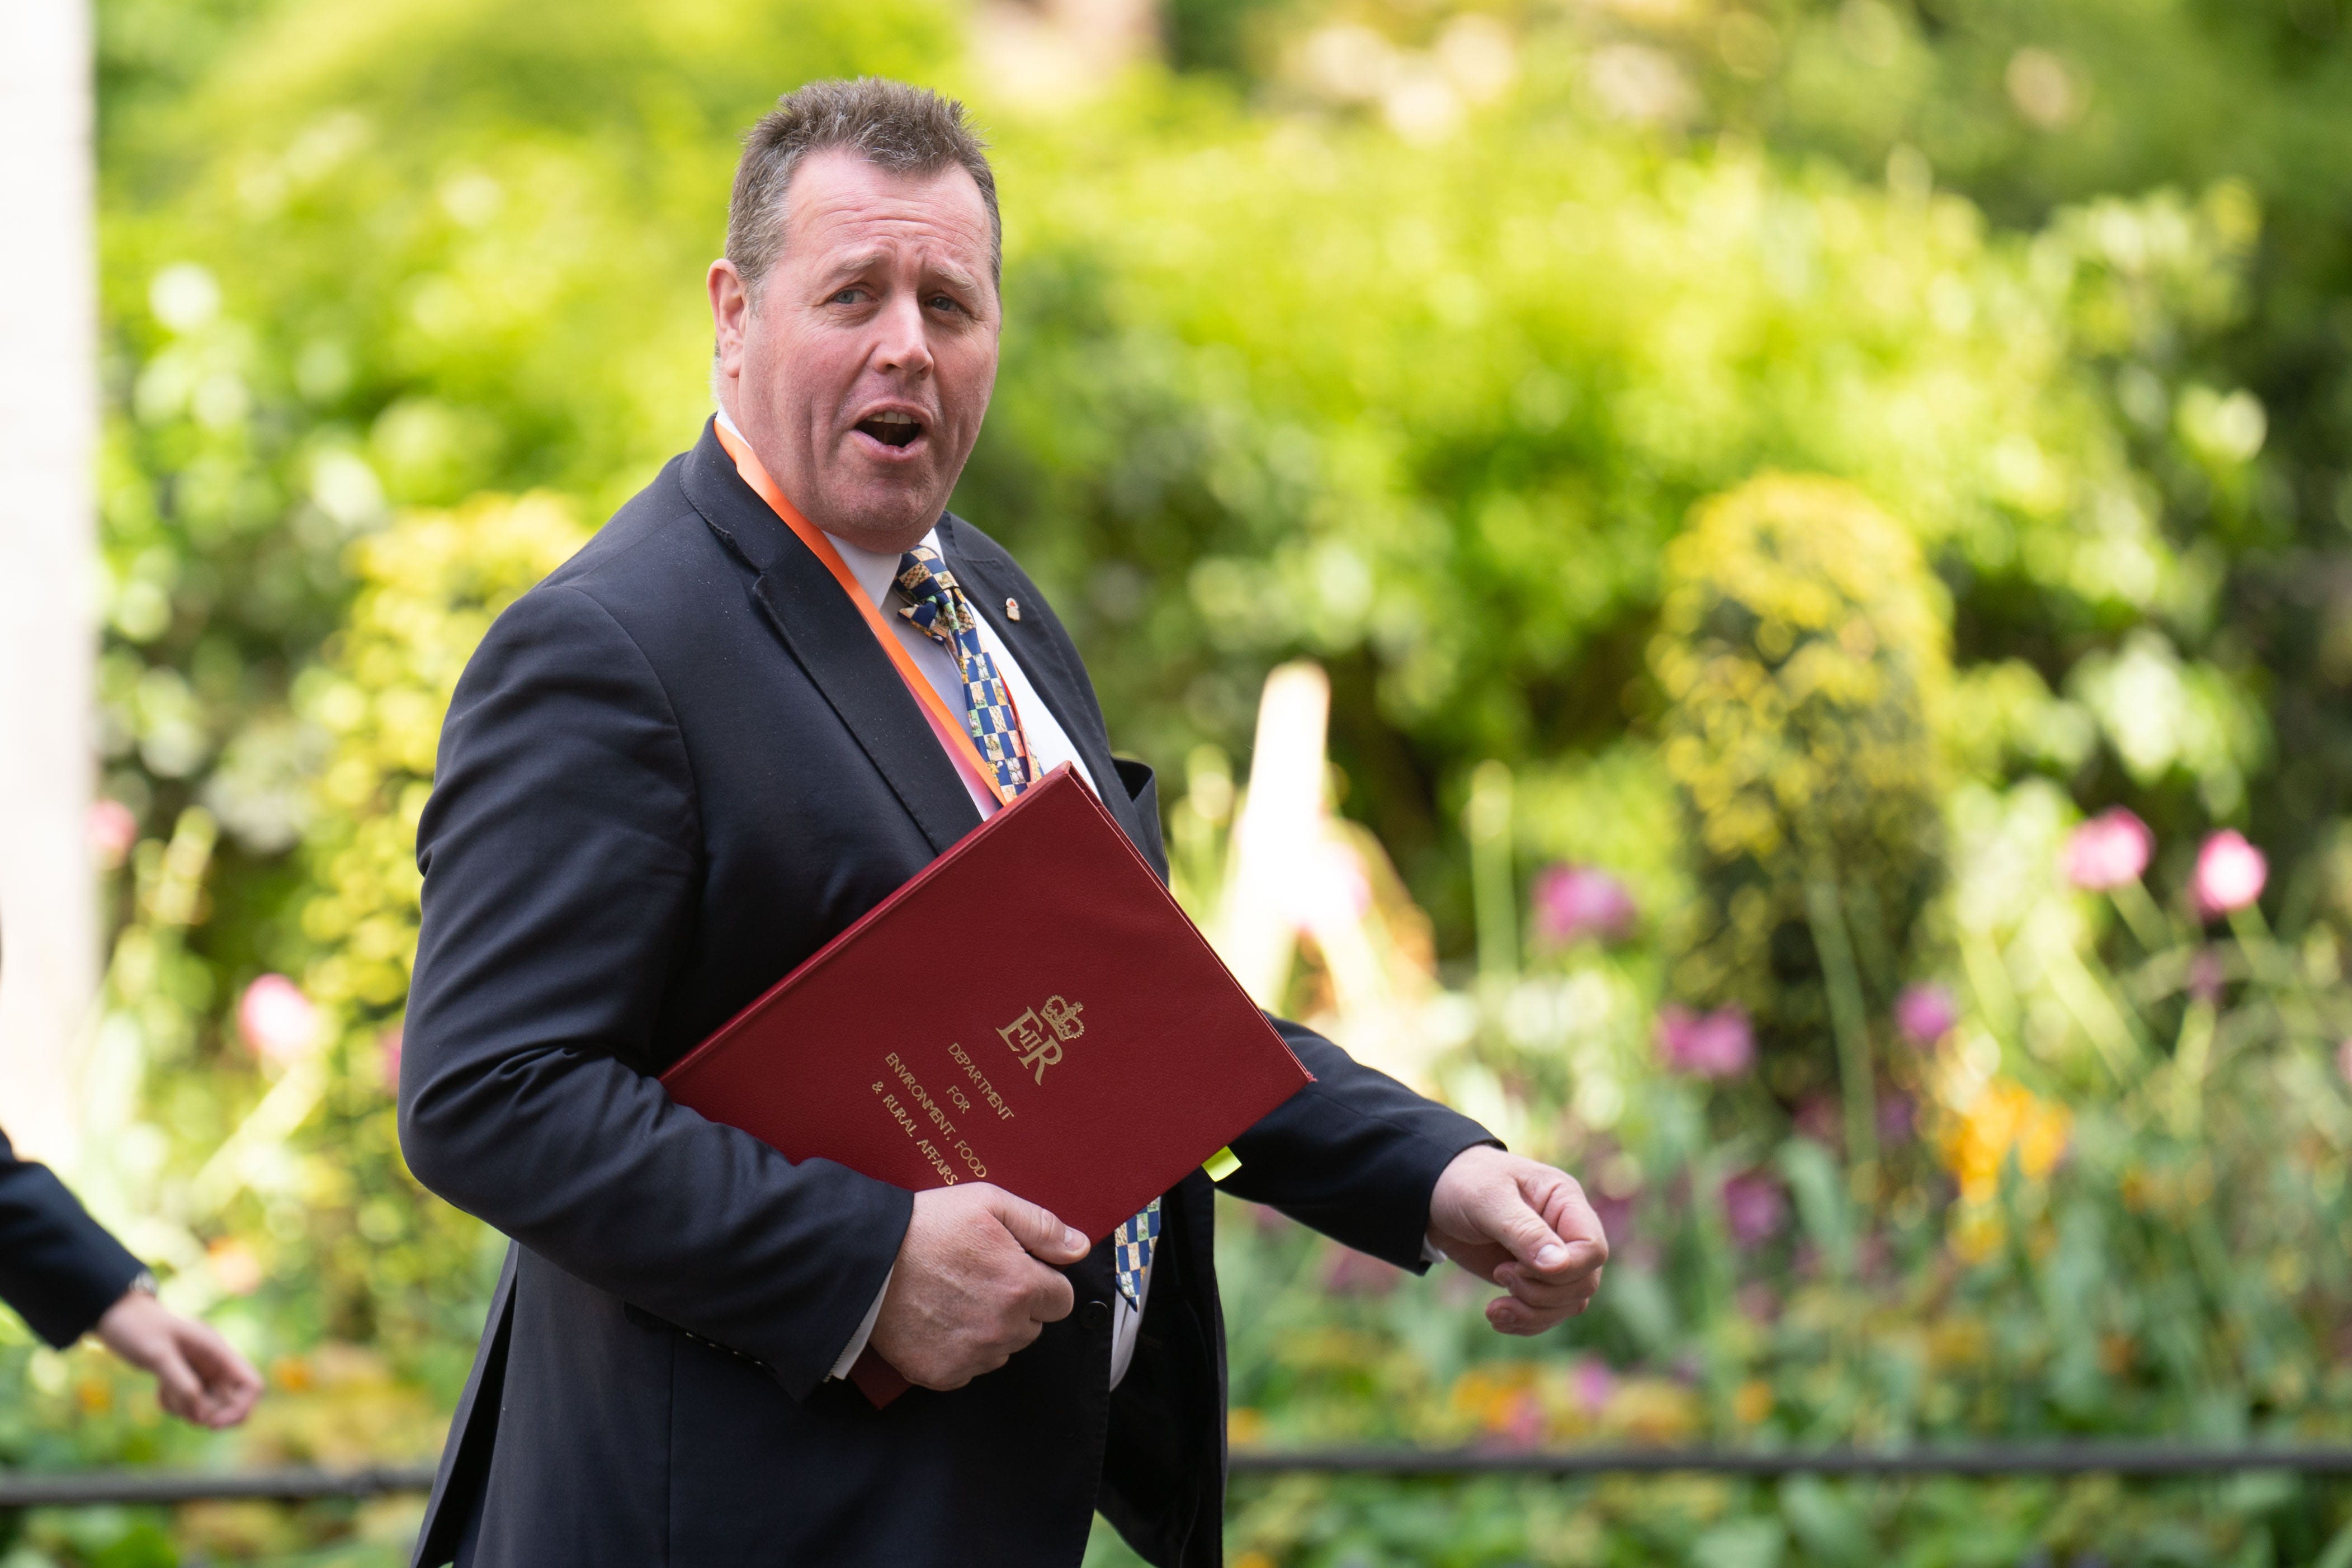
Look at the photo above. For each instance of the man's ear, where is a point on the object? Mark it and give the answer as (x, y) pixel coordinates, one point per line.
(730, 315)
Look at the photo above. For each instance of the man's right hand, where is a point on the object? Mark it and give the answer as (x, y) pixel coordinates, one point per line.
(971, 1284)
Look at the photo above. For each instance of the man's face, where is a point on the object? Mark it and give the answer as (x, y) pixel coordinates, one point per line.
(861, 377)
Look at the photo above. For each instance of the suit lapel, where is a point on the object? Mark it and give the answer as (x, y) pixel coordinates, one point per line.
(831, 640)
(1042, 661)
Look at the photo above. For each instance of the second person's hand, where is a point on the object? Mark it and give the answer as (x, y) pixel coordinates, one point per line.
(199, 1377)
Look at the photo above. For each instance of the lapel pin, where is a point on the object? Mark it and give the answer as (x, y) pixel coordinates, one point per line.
(1011, 609)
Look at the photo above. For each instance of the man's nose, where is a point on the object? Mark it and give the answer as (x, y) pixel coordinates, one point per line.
(905, 345)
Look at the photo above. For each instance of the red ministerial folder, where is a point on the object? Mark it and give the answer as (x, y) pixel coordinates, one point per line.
(1033, 1009)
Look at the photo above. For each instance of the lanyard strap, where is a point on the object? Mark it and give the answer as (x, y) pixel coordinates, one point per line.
(947, 726)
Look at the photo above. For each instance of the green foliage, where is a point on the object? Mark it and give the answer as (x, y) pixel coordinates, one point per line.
(1802, 647)
(381, 256)
(2165, 1279)
(1445, 349)
(1464, 513)
(395, 1269)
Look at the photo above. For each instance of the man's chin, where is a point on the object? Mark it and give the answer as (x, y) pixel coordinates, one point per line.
(884, 516)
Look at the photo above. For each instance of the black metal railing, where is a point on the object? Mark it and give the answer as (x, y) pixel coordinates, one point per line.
(1991, 1460)
(77, 1488)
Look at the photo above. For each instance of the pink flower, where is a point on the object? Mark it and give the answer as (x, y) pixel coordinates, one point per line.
(2107, 851)
(277, 1021)
(388, 1045)
(2344, 1060)
(111, 831)
(1573, 903)
(1592, 1385)
(1897, 1118)
(2206, 975)
(1521, 1421)
(2229, 874)
(1926, 1014)
(1820, 1118)
(1615, 1214)
(1706, 1045)
(1754, 1208)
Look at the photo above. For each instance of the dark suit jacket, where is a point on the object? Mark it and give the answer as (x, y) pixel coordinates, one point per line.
(59, 1267)
(671, 771)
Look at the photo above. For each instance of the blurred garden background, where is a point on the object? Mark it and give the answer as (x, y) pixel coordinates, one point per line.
(1758, 592)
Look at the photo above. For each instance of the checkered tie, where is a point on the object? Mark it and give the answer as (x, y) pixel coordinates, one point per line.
(937, 606)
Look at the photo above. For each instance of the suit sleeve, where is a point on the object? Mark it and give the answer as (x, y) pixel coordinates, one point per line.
(59, 1268)
(1355, 1154)
(562, 855)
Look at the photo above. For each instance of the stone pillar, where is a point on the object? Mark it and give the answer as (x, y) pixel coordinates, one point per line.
(49, 442)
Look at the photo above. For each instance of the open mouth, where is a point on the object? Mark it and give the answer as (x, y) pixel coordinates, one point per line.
(893, 428)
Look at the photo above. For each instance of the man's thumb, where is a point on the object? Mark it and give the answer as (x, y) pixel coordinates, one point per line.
(1530, 1240)
(1040, 1234)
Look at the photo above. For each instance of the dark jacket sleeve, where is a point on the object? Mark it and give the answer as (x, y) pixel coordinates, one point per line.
(1355, 1154)
(59, 1267)
(562, 854)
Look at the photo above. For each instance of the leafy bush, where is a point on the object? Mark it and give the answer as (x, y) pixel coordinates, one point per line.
(393, 1267)
(1802, 647)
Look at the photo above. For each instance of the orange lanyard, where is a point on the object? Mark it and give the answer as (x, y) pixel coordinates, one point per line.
(946, 725)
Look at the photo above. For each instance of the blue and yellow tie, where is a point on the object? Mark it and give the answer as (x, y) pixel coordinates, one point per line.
(937, 606)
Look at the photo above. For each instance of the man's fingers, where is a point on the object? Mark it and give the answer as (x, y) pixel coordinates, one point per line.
(1543, 1292)
(1571, 1245)
(1513, 1317)
(1581, 1258)
(1038, 1232)
(1572, 1218)
(1050, 1298)
(176, 1386)
(230, 1379)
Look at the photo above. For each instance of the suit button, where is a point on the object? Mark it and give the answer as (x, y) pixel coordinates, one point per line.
(1094, 1315)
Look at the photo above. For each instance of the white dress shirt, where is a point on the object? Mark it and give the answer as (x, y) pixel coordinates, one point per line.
(1049, 748)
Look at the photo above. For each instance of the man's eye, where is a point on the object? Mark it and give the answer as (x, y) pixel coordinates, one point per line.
(847, 296)
(946, 302)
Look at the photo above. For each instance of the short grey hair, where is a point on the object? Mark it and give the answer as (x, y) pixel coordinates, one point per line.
(905, 129)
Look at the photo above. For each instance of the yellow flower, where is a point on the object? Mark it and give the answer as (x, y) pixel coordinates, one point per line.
(1500, 1397)
(1957, 1342)
(2004, 1117)
(1753, 1403)
(1652, 1410)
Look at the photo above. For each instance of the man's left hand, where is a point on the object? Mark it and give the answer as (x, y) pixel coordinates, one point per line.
(1524, 1226)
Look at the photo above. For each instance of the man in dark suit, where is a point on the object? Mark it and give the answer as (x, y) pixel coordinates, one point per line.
(67, 1277)
(672, 772)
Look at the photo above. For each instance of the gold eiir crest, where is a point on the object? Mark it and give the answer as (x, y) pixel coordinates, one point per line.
(1038, 1035)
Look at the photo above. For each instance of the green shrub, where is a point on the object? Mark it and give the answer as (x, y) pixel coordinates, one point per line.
(1802, 647)
(393, 1266)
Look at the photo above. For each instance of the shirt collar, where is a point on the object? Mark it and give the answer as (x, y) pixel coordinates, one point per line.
(874, 573)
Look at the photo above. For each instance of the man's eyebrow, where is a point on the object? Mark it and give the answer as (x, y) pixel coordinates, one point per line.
(955, 276)
(849, 266)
